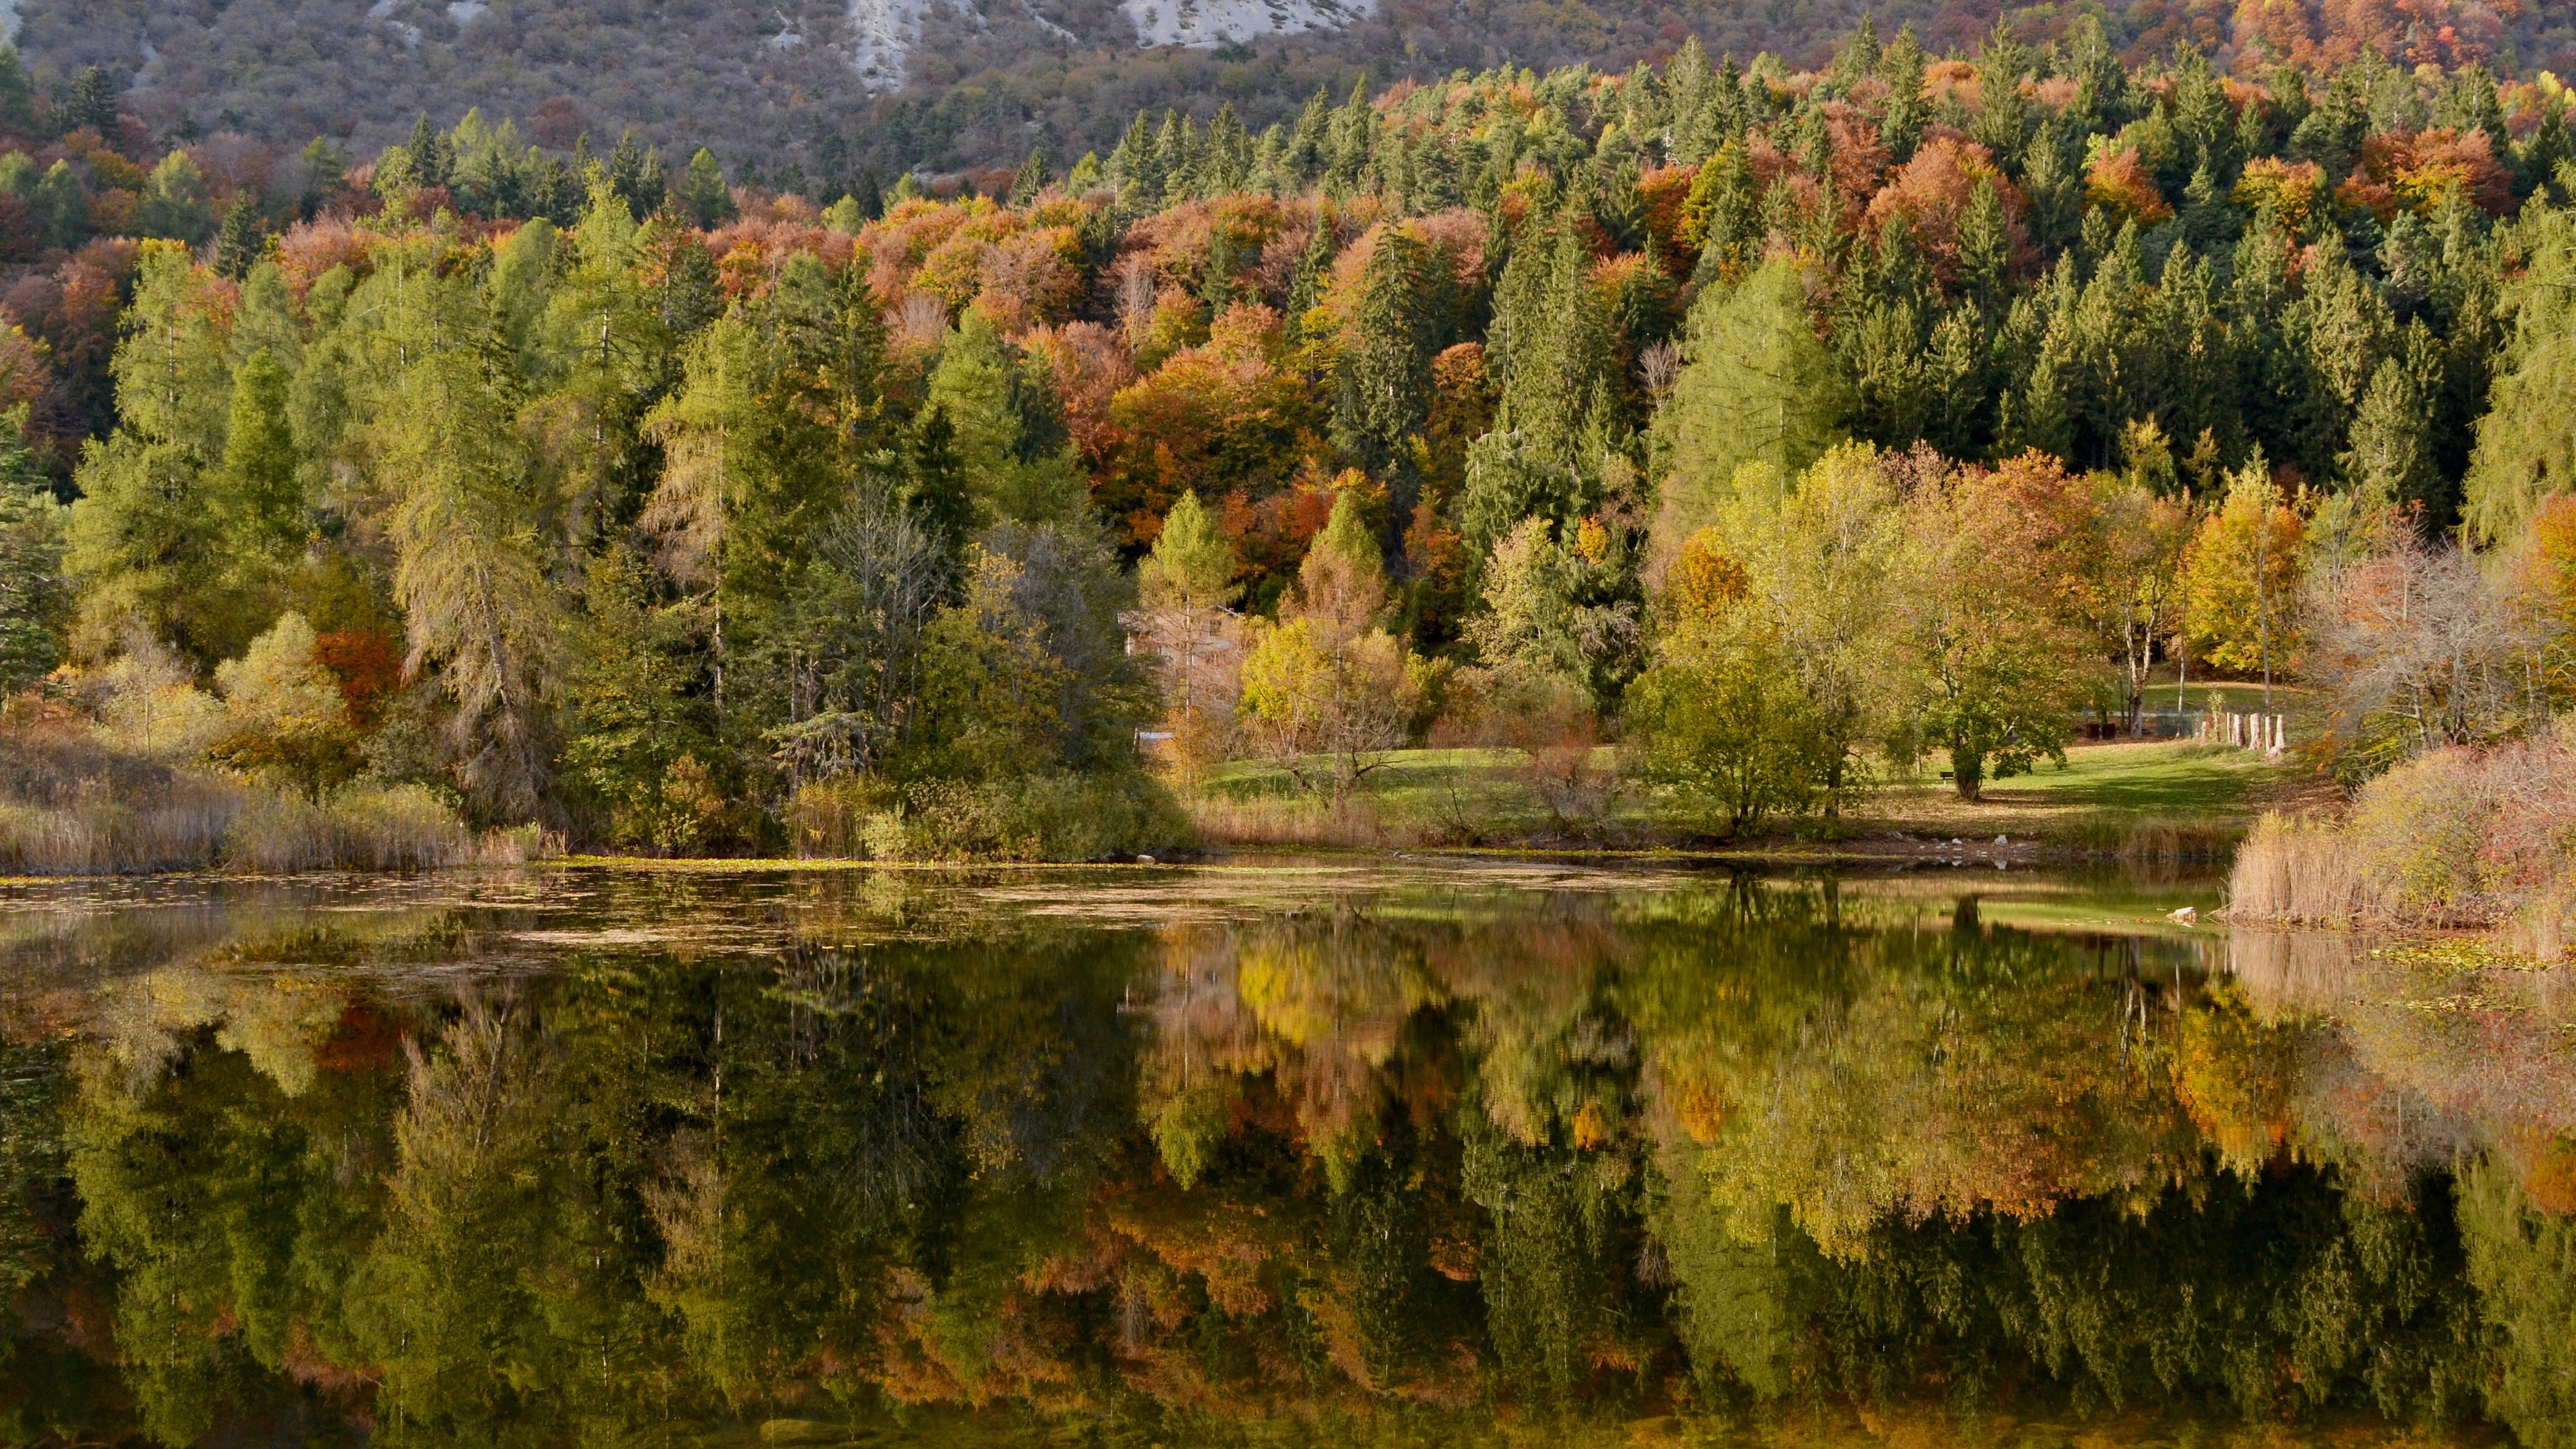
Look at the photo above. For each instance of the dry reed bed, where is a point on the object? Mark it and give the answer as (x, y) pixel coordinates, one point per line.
(204, 823)
(2459, 838)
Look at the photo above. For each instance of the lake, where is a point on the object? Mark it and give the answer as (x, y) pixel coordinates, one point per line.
(1410, 1153)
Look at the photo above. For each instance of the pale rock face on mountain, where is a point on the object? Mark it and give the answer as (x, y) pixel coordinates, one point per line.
(884, 33)
(1215, 22)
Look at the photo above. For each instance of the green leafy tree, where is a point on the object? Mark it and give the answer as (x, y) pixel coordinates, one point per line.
(1719, 718)
(60, 207)
(2525, 451)
(1992, 610)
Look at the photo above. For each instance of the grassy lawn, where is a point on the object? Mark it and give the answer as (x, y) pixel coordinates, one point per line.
(2172, 796)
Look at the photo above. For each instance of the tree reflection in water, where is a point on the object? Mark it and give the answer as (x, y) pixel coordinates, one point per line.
(650, 1160)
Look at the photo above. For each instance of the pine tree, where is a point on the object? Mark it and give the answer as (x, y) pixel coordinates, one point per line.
(1227, 163)
(635, 174)
(1719, 218)
(1555, 350)
(1009, 438)
(1029, 181)
(1131, 165)
(1860, 55)
(429, 153)
(1985, 248)
(1314, 267)
(1304, 161)
(936, 492)
(1354, 138)
(2390, 460)
(1694, 128)
(1175, 145)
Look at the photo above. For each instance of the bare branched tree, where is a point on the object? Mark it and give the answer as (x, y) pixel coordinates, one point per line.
(2416, 649)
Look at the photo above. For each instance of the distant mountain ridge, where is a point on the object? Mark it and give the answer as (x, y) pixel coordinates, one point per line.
(889, 85)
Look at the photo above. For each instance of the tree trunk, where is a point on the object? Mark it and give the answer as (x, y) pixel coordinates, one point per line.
(1967, 771)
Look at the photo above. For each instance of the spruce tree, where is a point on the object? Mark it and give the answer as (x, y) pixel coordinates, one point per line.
(1314, 267)
(90, 104)
(17, 92)
(1303, 163)
(2390, 460)
(1382, 388)
(1131, 165)
(429, 153)
(935, 489)
(1354, 137)
(1030, 180)
(239, 244)
(635, 174)
(1985, 247)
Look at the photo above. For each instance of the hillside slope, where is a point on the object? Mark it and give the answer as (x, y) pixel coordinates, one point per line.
(888, 85)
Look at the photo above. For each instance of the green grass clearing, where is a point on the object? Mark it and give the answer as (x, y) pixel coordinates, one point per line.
(2110, 796)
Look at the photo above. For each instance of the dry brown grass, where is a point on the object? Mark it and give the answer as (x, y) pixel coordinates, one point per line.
(1354, 823)
(2297, 868)
(402, 827)
(70, 805)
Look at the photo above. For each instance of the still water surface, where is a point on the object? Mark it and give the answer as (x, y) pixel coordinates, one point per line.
(1407, 1155)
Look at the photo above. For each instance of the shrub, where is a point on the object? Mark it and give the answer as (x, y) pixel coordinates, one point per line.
(2457, 837)
(1063, 816)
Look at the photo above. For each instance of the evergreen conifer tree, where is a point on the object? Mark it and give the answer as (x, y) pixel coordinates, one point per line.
(17, 91)
(90, 104)
(239, 243)
(1382, 388)
(703, 193)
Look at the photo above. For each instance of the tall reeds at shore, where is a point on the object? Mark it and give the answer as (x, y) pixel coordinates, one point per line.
(71, 804)
(2456, 838)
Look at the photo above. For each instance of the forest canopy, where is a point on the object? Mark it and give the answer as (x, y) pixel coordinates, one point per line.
(1916, 405)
